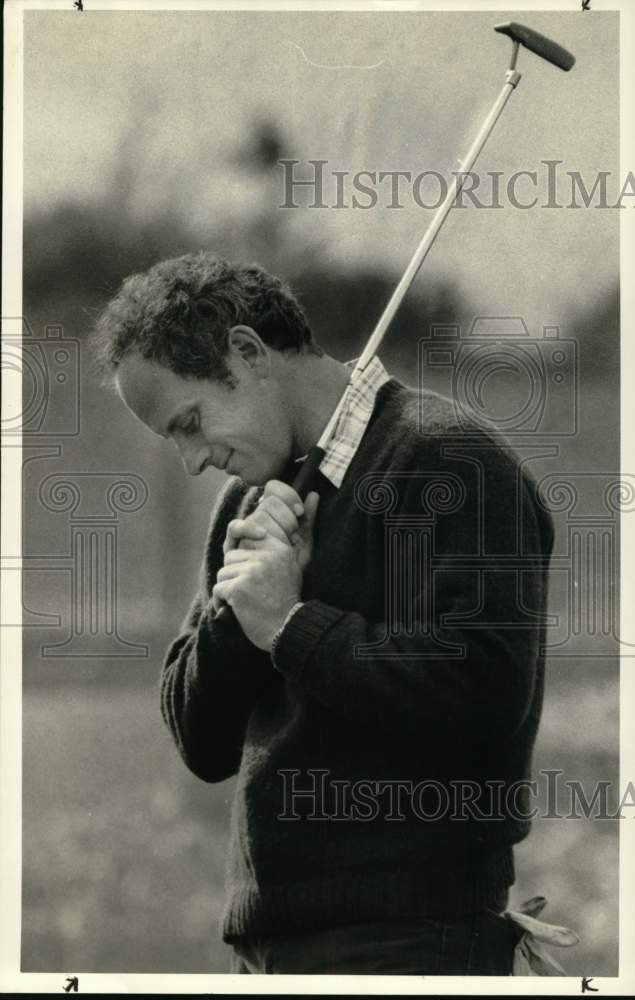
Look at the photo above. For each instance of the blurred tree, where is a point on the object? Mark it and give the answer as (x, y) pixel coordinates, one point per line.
(598, 335)
(344, 308)
(264, 148)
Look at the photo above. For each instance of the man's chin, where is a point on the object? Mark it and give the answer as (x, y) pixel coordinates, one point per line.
(284, 471)
(251, 476)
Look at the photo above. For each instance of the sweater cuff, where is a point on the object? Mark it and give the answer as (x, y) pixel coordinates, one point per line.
(296, 607)
(298, 640)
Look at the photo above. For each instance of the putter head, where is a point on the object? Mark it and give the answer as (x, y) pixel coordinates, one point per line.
(537, 43)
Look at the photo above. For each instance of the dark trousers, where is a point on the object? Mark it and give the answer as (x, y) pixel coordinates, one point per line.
(481, 944)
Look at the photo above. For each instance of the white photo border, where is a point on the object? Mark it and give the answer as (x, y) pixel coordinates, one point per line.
(11, 978)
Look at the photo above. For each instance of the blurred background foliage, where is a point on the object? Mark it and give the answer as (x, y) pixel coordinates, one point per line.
(123, 849)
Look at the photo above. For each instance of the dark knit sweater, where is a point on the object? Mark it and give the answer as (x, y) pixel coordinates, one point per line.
(451, 697)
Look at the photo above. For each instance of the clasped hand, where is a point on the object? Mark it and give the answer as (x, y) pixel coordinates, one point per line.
(262, 580)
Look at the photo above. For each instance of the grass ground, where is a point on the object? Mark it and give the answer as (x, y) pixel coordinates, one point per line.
(123, 850)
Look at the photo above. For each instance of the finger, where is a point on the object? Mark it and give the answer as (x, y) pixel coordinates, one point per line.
(241, 555)
(310, 514)
(251, 545)
(226, 573)
(273, 509)
(287, 494)
(248, 527)
(232, 536)
(222, 592)
(271, 526)
(310, 508)
(241, 528)
(271, 541)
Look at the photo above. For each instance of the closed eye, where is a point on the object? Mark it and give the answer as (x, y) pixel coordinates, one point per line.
(191, 424)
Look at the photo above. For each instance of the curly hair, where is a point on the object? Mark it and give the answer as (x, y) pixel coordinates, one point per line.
(179, 314)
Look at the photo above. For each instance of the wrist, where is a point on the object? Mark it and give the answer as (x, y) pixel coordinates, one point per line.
(289, 615)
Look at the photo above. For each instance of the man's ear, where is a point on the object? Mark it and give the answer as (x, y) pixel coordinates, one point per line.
(247, 348)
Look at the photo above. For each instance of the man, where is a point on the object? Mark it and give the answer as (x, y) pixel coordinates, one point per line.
(380, 712)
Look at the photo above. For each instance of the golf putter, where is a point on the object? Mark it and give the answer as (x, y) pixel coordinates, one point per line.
(540, 45)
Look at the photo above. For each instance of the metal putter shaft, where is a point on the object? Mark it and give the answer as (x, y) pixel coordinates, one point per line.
(540, 45)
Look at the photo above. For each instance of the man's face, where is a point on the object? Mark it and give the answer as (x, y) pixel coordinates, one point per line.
(243, 430)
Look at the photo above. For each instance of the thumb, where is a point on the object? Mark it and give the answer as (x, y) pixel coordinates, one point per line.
(310, 512)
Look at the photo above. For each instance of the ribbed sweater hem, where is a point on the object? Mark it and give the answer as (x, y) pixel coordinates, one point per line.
(435, 892)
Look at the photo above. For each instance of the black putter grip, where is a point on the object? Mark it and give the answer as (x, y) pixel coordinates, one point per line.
(303, 483)
(537, 43)
(306, 478)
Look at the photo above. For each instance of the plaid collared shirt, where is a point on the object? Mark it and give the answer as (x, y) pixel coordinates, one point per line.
(353, 421)
(349, 430)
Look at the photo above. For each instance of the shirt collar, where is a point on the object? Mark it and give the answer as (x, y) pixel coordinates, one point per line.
(353, 420)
